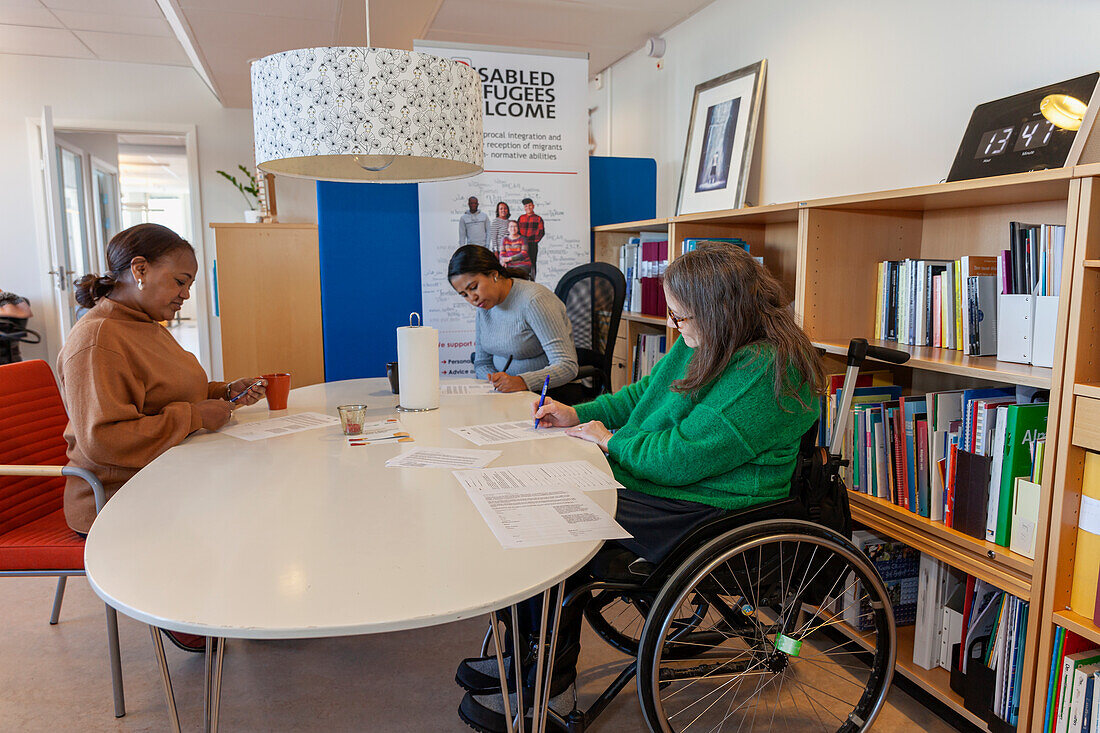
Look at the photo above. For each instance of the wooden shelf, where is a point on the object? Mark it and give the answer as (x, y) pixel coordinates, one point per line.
(771, 214)
(643, 318)
(646, 225)
(1086, 389)
(1092, 264)
(952, 361)
(1078, 624)
(998, 565)
(936, 682)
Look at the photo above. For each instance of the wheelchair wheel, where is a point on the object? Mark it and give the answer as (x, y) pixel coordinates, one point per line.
(618, 619)
(769, 653)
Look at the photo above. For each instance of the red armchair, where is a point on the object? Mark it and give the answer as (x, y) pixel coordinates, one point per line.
(34, 538)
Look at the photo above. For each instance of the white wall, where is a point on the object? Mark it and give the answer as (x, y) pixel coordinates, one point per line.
(130, 94)
(861, 95)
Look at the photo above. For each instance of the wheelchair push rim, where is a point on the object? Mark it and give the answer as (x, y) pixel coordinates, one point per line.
(764, 658)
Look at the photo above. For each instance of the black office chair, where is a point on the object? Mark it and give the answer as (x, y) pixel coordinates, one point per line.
(14, 331)
(593, 295)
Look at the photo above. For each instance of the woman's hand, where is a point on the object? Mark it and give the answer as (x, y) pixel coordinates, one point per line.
(506, 382)
(554, 414)
(593, 431)
(253, 392)
(214, 413)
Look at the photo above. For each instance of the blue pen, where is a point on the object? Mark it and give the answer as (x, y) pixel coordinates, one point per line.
(542, 399)
(245, 390)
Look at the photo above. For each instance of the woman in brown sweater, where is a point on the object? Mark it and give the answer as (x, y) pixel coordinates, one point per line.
(130, 389)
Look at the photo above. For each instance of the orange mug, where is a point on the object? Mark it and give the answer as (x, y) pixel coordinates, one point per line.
(278, 388)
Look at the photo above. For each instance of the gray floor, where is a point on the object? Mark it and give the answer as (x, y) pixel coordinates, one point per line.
(56, 678)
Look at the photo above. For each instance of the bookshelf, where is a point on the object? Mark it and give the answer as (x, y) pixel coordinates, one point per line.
(826, 253)
(1078, 423)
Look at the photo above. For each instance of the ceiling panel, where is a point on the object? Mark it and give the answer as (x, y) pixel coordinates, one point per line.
(131, 24)
(42, 42)
(312, 10)
(145, 8)
(26, 12)
(256, 35)
(138, 49)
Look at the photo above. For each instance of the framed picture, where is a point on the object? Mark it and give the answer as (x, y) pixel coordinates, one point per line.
(719, 142)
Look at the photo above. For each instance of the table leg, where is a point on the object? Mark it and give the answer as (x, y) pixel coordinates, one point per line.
(498, 646)
(215, 688)
(541, 660)
(517, 662)
(547, 645)
(158, 647)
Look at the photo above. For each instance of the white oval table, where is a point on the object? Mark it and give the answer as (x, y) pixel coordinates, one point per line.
(304, 536)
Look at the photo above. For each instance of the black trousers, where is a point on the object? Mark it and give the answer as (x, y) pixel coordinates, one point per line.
(657, 525)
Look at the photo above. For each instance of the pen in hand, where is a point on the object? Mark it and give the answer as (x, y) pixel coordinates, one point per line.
(245, 391)
(505, 369)
(542, 400)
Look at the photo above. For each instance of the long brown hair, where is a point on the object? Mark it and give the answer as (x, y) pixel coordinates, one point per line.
(735, 302)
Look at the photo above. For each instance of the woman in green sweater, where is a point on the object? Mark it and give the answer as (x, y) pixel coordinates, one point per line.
(715, 427)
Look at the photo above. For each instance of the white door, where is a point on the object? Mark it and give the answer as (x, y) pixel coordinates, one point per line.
(106, 207)
(60, 265)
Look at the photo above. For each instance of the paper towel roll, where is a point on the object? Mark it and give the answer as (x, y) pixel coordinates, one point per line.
(418, 367)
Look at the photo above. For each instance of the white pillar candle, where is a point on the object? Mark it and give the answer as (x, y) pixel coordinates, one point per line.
(418, 367)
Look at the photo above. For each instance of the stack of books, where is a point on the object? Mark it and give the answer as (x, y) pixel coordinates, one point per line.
(1032, 265)
(648, 350)
(899, 565)
(643, 261)
(952, 457)
(964, 623)
(1073, 689)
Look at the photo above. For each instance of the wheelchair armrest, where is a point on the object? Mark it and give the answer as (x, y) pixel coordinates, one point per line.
(55, 471)
(587, 370)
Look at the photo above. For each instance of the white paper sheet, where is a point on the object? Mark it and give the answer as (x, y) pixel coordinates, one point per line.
(443, 458)
(546, 517)
(276, 426)
(466, 388)
(506, 432)
(390, 428)
(580, 475)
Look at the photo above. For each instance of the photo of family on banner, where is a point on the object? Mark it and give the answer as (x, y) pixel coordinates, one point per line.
(515, 242)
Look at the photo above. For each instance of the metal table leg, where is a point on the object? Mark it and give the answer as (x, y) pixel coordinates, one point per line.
(547, 646)
(158, 647)
(215, 689)
(498, 647)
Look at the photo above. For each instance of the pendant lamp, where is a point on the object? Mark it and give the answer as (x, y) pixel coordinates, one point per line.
(362, 114)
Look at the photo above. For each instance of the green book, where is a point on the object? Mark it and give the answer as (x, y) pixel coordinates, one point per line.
(1025, 424)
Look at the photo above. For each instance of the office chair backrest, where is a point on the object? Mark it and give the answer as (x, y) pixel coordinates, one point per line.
(14, 331)
(32, 426)
(593, 295)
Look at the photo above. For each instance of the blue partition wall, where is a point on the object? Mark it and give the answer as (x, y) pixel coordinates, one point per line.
(370, 257)
(370, 273)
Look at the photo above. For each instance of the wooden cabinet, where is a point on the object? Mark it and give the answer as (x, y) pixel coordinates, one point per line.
(826, 253)
(269, 301)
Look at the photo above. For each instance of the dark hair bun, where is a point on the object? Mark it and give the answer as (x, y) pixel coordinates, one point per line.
(90, 289)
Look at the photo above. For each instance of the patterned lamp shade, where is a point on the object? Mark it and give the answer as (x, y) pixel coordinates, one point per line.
(366, 114)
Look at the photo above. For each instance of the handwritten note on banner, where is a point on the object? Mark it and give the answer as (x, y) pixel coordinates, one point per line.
(545, 517)
(277, 426)
(580, 475)
(506, 432)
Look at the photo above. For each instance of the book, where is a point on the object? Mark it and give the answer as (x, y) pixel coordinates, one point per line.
(1069, 669)
(1025, 519)
(924, 496)
(1024, 426)
(971, 494)
(982, 314)
(1053, 678)
(1086, 565)
(971, 266)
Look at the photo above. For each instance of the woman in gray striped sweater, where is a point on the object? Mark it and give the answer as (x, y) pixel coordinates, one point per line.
(522, 333)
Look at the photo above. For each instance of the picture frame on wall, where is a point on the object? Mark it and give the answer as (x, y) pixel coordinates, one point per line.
(721, 134)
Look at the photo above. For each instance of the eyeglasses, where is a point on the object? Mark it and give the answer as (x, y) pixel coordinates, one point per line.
(677, 320)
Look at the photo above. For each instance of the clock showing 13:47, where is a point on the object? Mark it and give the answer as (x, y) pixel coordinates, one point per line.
(1035, 130)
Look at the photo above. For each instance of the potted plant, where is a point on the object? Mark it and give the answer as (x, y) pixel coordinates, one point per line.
(251, 192)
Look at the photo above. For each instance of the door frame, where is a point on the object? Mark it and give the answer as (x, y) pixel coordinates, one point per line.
(202, 290)
(95, 164)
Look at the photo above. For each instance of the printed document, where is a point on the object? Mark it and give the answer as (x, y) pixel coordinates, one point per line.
(277, 426)
(467, 388)
(544, 517)
(562, 475)
(443, 458)
(507, 432)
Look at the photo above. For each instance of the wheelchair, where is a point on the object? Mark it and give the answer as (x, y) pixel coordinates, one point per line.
(738, 628)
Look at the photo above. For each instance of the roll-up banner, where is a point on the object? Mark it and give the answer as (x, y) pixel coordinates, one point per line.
(536, 149)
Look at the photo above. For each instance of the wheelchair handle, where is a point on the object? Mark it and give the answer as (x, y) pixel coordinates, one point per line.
(859, 349)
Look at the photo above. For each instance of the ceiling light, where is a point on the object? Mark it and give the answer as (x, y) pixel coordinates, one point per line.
(366, 114)
(1063, 110)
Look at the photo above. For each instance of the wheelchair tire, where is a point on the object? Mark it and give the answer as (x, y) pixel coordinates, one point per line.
(770, 653)
(617, 618)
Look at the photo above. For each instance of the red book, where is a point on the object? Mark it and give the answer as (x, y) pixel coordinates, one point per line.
(937, 311)
(949, 506)
(1071, 645)
(968, 601)
(899, 459)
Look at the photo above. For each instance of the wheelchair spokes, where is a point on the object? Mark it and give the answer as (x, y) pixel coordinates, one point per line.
(762, 650)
